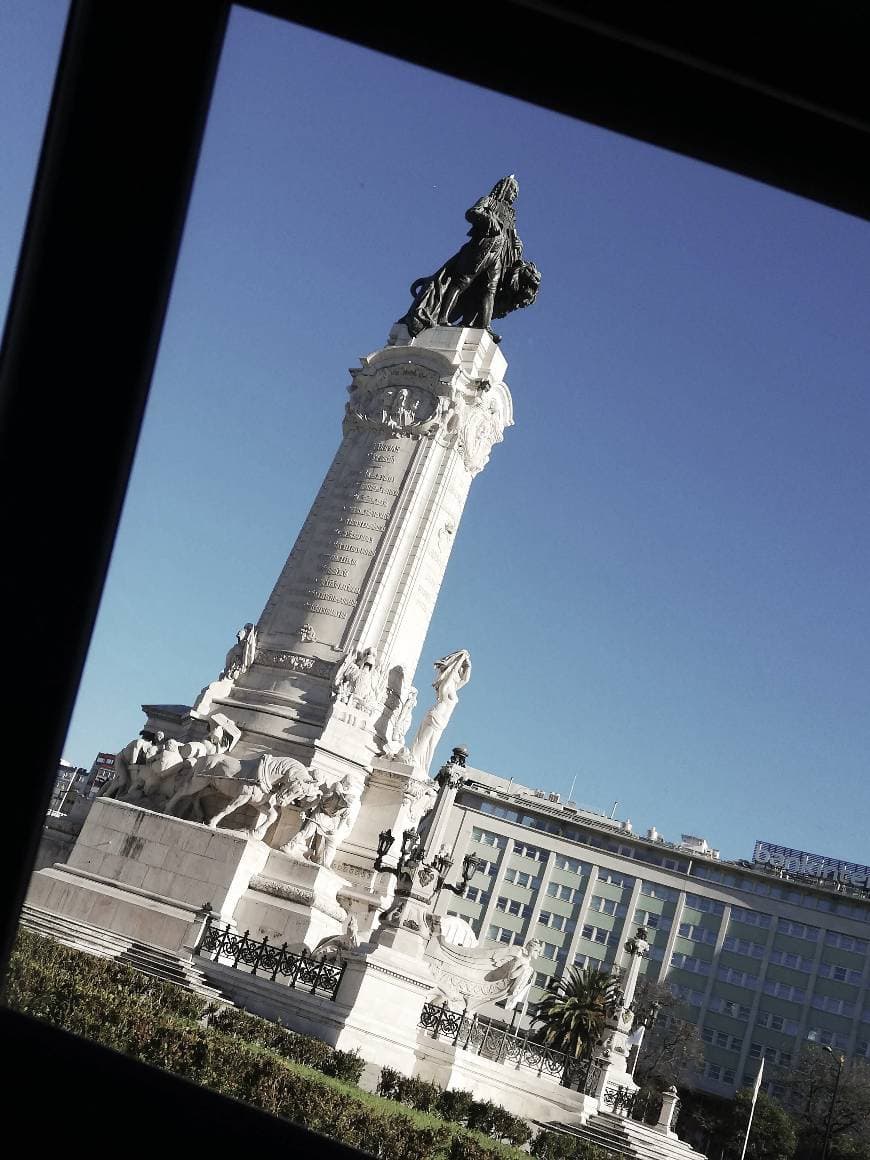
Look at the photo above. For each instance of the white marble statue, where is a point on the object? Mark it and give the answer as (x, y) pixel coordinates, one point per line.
(519, 973)
(217, 785)
(337, 946)
(325, 823)
(399, 725)
(139, 751)
(241, 655)
(359, 679)
(474, 976)
(453, 672)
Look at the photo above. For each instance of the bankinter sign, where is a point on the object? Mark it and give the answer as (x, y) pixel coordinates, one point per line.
(815, 866)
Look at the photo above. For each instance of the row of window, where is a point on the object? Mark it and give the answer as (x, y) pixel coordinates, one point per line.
(771, 1054)
(522, 878)
(511, 906)
(502, 934)
(768, 888)
(607, 906)
(721, 1039)
(717, 1072)
(776, 1022)
(736, 978)
(599, 934)
(652, 920)
(729, 1007)
(557, 921)
(743, 946)
(750, 917)
(833, 1006)
(841, 974)
(702, 934)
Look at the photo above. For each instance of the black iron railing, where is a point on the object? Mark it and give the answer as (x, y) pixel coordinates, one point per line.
(239, 950)
(490, 1041)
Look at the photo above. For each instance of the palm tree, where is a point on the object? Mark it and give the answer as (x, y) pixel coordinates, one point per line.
(573, 1010)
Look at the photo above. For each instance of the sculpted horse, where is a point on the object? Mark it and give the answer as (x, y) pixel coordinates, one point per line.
(267, 783)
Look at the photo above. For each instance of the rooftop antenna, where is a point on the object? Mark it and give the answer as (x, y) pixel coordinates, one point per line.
(613, 811)
(571, 790)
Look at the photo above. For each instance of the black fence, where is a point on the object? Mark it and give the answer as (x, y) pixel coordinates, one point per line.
(317, 976)
(490, 1041)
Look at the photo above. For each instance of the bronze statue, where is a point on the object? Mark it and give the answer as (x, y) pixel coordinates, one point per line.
(486, 279)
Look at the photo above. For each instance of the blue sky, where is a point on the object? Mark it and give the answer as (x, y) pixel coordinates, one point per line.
(662, 574)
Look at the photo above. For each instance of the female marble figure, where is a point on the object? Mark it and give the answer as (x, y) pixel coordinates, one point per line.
(453, 673)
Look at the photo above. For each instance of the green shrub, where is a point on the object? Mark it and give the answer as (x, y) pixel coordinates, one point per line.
(388, 1083)
(455, 1105)
(554, 1146)
(487, 1117)
(344, 1065)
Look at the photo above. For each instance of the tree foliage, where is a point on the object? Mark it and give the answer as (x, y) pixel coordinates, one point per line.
(671, 1052)
(810, 1098)
(772, 1136)
(572, 1012)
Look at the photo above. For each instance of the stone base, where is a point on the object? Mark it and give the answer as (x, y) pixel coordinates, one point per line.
(518, 1089)
(293, 902)
(144, 874)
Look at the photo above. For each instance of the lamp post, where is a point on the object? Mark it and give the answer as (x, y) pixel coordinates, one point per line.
(839, 1060)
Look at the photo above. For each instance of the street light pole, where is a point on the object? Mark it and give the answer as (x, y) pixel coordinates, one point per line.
(839, 1061)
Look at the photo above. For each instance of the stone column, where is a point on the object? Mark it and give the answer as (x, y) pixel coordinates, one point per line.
(670, 1100)
(340, 637)
(612, 1053)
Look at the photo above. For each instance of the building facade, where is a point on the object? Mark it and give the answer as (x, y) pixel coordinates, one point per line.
(761, 960)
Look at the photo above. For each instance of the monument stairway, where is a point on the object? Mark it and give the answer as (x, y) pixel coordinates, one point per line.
(154, 961)
(628, 1138)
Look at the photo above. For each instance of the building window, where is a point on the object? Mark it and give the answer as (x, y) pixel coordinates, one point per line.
(687, 995)
(784, 991)
(501, 934)
(572, 865)
(776, 1022)
(750, 917)
(526, 851)
(614, 878)
(600, 935)
(833, 1006)
(522, 878)
(690, 963)
(701, 934)
(557, 921)
(655, 890)
(477, 894)
(790, 959)
(841, 974)
(846, 942)
(607, 906)
(704, 904)
(729, 1007)
(488, 838)
(797, 929)
(559, 890)
(742, 946)
(717, 1072)
(511, 906)
(721, 1039)
(736, 978)
(652, 920)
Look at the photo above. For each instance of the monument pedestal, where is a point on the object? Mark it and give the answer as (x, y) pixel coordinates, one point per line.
(145, 875)
(292, 901)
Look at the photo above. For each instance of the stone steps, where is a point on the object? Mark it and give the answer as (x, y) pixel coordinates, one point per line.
(628, 1138)
(94, 940)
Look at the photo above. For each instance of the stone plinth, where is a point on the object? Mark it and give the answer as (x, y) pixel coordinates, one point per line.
(519, 1089)
(292, 901)
(145, 875)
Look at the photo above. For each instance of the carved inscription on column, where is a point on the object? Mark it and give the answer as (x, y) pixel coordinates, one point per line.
(344, 529)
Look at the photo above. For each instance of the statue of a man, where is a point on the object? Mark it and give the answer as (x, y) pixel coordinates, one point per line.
(241, 655)
(486, 279)
(325, 824)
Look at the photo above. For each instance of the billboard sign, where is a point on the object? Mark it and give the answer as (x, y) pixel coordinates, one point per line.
(815, 866)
